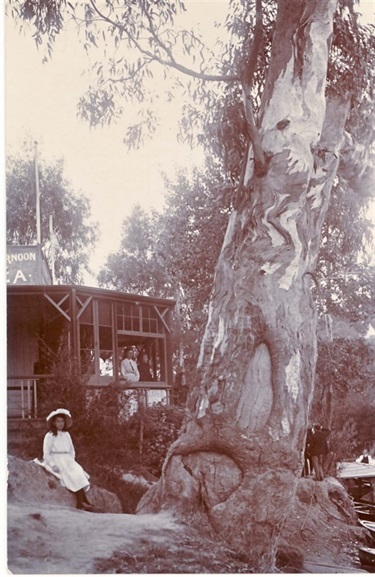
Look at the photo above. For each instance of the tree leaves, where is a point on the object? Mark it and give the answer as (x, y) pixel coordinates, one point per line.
(75, 233)
(345, 367)
(174, 253)
(346, 279)
(132, 37)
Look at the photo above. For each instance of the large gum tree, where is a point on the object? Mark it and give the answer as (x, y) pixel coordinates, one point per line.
(297, 66)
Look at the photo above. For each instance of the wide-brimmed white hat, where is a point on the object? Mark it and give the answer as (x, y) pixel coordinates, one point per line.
(65, 413)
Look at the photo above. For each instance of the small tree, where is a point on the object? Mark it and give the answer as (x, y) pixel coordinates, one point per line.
(136, 266)
(343, 397)
(75, 235)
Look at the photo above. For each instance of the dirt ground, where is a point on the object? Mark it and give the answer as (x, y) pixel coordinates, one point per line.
(48, 535)
(53, 539)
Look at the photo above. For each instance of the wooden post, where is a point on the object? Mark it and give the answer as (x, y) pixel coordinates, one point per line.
(168, 356)
(115, 353)
(75, 331)
(53, 247)
(95, 319)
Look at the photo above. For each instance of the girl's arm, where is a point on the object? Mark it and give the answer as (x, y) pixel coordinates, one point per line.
(47, 447)
(71, 447)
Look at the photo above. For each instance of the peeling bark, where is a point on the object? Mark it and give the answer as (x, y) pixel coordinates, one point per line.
(257, 360)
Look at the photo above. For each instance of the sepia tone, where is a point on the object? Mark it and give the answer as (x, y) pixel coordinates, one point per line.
(189, 393)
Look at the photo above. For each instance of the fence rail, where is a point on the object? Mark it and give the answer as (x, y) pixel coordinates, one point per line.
(22, 394)
(22, 398)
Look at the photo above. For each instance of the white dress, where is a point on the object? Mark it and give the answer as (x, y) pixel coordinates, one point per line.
(129, 370)
(59, 451)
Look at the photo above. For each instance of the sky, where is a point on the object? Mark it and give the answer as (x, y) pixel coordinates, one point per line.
(41, 100)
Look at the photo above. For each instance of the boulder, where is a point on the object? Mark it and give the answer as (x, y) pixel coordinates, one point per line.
(138, 480)
(30, 483)
(320, 530)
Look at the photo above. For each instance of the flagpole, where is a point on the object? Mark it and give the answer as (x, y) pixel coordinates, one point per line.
(52, 241)
(38, 231)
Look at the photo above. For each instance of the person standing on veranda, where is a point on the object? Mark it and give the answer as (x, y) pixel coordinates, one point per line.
(144, 368)
(129, 368)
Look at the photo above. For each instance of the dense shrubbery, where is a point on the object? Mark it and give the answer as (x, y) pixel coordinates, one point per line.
(111, 444)
(344, 398)
(153, 430)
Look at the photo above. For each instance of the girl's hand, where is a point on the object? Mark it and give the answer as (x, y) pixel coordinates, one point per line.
(55, 469)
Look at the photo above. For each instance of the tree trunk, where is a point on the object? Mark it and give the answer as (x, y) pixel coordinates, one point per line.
(240, 453)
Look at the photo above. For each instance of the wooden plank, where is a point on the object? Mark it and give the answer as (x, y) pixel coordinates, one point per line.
(83, 305)
(369, 525)
(355, 471)
(57, 305)
(161, 316)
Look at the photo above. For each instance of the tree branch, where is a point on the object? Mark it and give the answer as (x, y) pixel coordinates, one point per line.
(255, 46)
(247, 80)
(157, 38)
(171, 63)
(259, 157)
(132, 75)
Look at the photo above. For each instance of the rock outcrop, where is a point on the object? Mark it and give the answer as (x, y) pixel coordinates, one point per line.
(320, 532)
(322, 529)
(28, 482)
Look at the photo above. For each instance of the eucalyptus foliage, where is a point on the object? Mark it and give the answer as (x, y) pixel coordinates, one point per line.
(137, 40)
(136, 45)
(345, 272)
(346, 374)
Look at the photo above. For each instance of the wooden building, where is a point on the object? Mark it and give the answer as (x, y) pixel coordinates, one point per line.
(96, 324)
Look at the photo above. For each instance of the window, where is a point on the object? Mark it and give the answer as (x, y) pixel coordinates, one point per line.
(128, 317)
(151, 320)
(86, 335)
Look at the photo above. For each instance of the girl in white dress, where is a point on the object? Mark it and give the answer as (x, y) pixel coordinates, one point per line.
(59, 457)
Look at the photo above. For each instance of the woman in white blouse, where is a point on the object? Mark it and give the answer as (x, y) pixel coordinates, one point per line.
(59, 457)
(129, 367)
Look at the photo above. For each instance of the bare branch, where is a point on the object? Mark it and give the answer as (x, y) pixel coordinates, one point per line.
(200, 75)
(255, 46)
(259, 157)
(171, 63)
(132, 75)
(247, 80)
